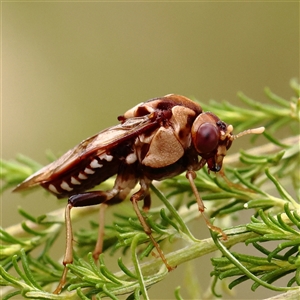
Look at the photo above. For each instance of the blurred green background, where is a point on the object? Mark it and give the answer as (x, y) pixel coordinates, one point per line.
(70, 68)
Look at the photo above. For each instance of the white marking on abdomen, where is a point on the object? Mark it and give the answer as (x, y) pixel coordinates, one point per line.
(53, 189)
(88, 171)
(82, 176)
(106, 157)
(75, 181)
(131, 158)
(65, 186)
(95, 164)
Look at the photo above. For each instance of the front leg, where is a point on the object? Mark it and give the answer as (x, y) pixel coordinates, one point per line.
(191, 175)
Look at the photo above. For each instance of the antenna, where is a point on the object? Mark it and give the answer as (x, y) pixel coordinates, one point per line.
(258, 130)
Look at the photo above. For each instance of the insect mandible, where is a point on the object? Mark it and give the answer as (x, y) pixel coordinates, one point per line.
(155, 140)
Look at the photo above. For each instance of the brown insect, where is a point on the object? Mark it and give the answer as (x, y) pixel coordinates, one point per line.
(157, 139)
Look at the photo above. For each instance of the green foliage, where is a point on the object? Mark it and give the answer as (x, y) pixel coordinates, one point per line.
(257, 180)
(269, 266)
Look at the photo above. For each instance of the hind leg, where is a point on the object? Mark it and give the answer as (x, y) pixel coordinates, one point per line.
(117, 194)
(80, 200)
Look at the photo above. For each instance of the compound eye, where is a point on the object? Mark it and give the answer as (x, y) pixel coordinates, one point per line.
(207, 138)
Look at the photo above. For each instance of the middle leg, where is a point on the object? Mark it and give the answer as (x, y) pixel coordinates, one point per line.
(143, 194)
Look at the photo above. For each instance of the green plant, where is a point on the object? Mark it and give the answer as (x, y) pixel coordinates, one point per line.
(254, 180)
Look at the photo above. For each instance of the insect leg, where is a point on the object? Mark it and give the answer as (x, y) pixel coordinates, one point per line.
(99, 245)
(122, 194)
(143, 193)
(147, 203)
(68, 258)
(191, 175)
(85, 199)
(124, 183)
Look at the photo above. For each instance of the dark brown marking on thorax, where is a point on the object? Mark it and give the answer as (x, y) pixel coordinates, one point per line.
(141, 111)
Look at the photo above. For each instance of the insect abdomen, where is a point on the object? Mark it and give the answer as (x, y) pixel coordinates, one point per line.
(82, 176)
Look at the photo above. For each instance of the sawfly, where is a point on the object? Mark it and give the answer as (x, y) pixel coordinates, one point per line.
(157, 139)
